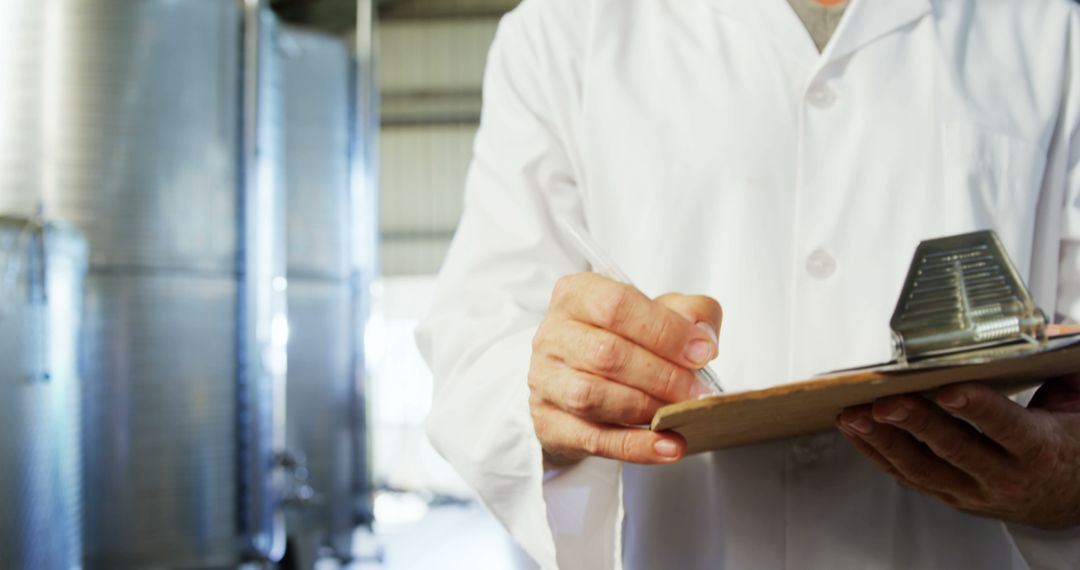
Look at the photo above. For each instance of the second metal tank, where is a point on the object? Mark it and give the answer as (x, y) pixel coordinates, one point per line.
(323, 362)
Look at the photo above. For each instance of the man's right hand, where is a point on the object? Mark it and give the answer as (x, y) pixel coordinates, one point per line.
(606, 358)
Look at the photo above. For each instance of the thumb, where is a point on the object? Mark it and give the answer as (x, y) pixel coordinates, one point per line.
(705, 312)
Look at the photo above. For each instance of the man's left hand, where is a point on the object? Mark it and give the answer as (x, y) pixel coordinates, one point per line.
(1020, 465)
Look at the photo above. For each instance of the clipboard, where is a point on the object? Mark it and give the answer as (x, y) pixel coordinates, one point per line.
(964, 315)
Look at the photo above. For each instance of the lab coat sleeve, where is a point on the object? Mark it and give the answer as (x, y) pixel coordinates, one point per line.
(495, 286)
(1060, 549)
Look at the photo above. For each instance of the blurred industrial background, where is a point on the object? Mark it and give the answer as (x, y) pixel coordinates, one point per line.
(220, 221)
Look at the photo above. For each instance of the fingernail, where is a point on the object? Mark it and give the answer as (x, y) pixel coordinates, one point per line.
(861, 425)
(709, 330)
(898, 415)
(954, 400)
(666, 448)
(698, 352)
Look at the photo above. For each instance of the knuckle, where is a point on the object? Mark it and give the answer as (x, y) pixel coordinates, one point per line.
(642, 406)
(1046, 460)
(919, 422)
(541, 337)
(612, 306)
(540, 423)
(1011, 437)
(607, 356)
(710, 306)
(980, 408)
(533, 381)
(539, 374)
(581, 397)
(591, 442)
(1041, 455)
(669, 383)
(1008, 488)
(952, 450)
(919, 472)
(889, 447)
(976, 406)
(667, 298)
(626, 446)
(563, 287)
(661, 331)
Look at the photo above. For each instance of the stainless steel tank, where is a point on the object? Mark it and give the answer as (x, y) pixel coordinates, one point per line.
(41, 279)
(316, 74)
(163, 154)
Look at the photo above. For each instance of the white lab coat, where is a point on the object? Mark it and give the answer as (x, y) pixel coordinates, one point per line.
(711, 149)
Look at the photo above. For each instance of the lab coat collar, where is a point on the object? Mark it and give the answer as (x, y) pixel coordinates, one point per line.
(869, 20)
(778, 21)
(864, 22)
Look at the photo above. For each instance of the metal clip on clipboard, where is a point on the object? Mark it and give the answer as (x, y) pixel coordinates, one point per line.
(963, 298)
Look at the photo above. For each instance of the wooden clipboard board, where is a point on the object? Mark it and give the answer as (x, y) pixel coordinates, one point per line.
(811, 406)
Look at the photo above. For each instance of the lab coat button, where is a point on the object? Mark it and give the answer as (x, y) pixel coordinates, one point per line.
(804, 454)
(821, 97)
(811, 449)
(807, 450)
(820, 264)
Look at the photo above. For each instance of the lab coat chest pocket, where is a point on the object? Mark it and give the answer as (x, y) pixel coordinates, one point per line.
(996, 176)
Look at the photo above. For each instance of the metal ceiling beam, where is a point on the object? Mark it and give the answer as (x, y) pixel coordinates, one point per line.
(334, 16)
(444, 9)
(339, 16)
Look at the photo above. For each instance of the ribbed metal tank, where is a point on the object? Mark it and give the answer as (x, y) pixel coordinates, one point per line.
(316, 74)
(160, 158)
(41, 291)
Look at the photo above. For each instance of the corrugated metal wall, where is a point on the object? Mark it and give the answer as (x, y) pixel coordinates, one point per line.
(433, 55)
(423, 174)
(430, 76)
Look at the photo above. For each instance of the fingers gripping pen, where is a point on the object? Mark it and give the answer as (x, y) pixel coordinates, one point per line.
(604, 265)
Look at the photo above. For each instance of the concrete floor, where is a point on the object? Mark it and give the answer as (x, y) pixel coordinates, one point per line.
(451, 537)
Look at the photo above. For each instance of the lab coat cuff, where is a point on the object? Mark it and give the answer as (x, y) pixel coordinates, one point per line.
(585, 513)
(493, 445)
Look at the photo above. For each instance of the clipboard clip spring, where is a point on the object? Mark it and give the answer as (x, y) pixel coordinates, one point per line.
(963, 293)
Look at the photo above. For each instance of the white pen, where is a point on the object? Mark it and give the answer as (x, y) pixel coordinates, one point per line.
(604, 265)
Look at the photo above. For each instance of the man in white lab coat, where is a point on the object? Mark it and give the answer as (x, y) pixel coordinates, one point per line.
(711, 148)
